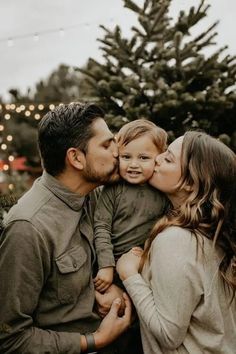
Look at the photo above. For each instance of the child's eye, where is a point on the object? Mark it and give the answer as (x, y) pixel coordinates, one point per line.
(144, 157)
(125, 157)
(167, 160)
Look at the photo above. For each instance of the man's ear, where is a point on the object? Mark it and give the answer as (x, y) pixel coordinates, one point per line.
(76, 158)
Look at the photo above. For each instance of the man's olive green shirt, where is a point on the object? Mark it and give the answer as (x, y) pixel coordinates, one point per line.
(46, 257)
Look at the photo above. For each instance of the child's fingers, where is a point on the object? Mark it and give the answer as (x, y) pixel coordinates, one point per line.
(102, 287)
(98, 282)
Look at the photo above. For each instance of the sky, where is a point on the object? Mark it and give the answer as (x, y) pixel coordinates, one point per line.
(38, 35)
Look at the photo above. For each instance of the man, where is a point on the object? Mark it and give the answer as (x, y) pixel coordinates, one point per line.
(46, 248)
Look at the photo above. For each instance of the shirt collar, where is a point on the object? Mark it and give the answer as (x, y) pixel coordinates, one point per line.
(73, 200)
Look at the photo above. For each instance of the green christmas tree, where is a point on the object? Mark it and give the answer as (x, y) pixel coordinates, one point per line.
(163, 73)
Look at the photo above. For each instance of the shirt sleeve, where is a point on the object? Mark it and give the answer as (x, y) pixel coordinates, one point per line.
(167, 301)
(103, 219)
(24, 267)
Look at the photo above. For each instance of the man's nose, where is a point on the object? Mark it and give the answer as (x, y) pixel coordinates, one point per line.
(115, 150)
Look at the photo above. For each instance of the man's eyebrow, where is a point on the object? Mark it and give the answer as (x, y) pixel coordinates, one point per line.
(111, 138)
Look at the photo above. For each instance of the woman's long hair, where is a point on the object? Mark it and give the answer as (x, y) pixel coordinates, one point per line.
(209, 171)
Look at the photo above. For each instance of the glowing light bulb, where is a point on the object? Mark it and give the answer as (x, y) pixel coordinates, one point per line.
(7, 116)
(37, 116)
(3, 146)
(9, 138)
(11, 158)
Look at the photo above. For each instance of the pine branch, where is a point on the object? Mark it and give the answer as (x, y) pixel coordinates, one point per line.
(132, 6)
(202, 35)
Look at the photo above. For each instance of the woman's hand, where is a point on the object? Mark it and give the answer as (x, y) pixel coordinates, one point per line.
(128, 264)
(113, 325)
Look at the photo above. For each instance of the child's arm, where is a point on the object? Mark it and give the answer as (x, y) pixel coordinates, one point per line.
(103, 219)
(104, 279)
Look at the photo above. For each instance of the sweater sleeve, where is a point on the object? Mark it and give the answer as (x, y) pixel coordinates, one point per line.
(166, 301)
(103, 219)
(24, 266)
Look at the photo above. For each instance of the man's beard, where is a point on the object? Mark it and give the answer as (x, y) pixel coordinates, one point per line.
(94, 176)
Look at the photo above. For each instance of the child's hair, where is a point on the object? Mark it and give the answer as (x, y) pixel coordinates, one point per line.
(137, 128)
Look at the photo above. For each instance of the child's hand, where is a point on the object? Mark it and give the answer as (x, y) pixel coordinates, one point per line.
(103, 279)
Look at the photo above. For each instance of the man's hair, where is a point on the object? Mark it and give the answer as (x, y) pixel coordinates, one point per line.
(68, 125)
(137, 128)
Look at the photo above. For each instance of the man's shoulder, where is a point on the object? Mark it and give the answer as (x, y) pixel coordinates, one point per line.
(29, 204)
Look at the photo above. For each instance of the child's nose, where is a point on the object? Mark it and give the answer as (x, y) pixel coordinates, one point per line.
(133, 163)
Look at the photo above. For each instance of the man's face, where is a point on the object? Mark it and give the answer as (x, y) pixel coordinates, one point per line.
(101, 156)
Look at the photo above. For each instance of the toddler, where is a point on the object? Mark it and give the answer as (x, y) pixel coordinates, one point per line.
(127, 210)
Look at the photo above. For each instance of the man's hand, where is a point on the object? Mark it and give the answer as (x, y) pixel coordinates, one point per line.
(105, 300)
(113, 325)
(103, 279)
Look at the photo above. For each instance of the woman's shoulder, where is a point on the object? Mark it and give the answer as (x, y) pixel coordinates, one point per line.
(176, 239)
(174, 232)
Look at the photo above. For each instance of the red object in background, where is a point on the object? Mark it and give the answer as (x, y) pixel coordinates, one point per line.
(18, 164)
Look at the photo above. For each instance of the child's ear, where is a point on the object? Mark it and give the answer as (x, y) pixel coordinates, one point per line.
(76, 158)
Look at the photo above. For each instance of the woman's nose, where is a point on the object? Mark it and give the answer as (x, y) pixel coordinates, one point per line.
(158, 160)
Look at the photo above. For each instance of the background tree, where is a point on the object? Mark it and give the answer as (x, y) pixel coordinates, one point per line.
(163, 73)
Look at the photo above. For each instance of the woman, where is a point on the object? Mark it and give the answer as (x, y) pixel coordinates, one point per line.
(185, 294)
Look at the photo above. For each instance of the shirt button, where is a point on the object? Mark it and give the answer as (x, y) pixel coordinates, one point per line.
(75, 265)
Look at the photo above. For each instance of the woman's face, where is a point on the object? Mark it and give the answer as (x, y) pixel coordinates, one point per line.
(167, 171)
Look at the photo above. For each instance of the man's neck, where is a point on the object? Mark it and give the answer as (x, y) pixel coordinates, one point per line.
(76, 184)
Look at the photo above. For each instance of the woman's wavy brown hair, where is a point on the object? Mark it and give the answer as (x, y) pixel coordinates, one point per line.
(209, 170)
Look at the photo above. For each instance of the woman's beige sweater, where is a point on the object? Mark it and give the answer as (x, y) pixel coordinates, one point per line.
(180, 297)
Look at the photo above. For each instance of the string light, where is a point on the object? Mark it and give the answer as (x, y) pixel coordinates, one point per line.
(38, 34)
(27, 113)
(62, 32)
(3, 146)
(7, 116)
(11, 158)
(9, 138)
(36, 37)
(10, 42)
(37, 116)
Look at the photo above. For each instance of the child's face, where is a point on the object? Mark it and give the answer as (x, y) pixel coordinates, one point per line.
(137, 160)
